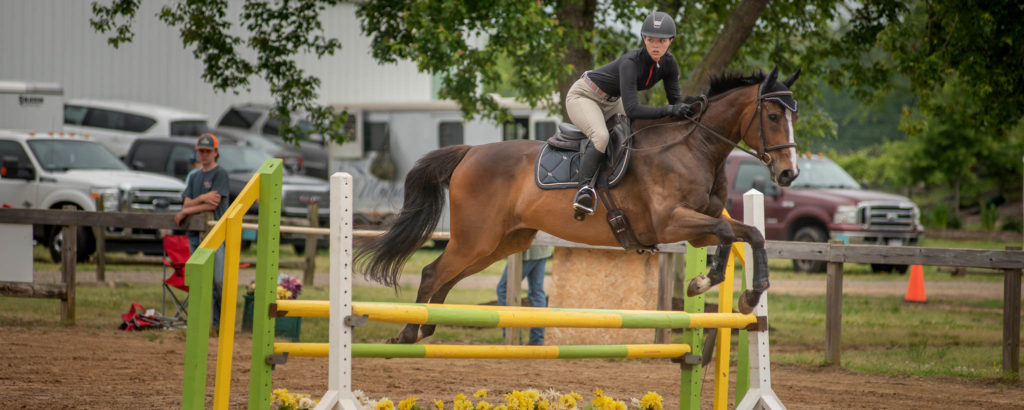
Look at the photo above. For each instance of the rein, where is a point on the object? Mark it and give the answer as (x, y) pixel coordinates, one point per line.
(761, 154)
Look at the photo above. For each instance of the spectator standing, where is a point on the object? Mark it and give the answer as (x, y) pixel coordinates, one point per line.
(206, 189)
(534, 260)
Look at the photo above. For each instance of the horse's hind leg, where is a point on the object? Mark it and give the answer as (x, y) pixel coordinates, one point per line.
(516, 241)
(410, 333)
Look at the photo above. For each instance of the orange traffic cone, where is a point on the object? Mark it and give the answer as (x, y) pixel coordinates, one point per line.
(915, 287)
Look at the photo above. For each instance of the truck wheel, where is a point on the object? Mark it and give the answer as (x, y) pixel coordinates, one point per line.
(809, 234)
(886, 268)
(85, 244)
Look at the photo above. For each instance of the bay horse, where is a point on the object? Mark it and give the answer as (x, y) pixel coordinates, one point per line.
(675, 190)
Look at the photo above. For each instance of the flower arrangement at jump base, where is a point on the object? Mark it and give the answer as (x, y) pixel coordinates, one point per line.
(520, 400)
(287, 287)
(291, 401)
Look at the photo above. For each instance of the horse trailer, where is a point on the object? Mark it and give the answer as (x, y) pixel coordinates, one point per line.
(386, 139)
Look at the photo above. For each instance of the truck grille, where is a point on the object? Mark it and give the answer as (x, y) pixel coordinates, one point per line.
(888, 216)
(153, 201)
(295, 201)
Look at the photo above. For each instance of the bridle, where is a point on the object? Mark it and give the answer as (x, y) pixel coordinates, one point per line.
(761, 154)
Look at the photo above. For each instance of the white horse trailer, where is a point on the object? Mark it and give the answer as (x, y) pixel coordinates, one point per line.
(29, 106)
(388, 138)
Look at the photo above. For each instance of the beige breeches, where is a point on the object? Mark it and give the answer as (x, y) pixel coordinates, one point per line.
(589, 111)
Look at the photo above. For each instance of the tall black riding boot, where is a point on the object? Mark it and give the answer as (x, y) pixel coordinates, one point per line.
(583, 204)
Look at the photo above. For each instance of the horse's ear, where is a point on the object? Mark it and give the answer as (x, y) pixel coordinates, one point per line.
(772, 77)
(791, 79)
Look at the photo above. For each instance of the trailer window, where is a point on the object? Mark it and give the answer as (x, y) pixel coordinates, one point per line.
(375, 136)
(449, 133)
(542, 130)
(518, 129)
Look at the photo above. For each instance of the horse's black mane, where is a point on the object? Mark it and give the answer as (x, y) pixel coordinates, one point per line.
(728, 81)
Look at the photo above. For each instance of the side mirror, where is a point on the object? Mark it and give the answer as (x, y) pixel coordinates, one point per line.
(768, 189)
(12, 168)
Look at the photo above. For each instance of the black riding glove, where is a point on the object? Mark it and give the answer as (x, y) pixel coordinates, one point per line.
(680, 110)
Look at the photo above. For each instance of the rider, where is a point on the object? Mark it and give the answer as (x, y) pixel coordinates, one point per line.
(612, 89)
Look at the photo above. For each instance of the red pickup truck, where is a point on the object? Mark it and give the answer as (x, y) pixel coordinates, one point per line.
(824, 203)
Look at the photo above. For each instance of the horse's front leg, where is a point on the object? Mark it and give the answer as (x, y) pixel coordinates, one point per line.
(749, 234)
(701, 230)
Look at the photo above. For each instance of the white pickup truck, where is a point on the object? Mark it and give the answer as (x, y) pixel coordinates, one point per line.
(47, 171)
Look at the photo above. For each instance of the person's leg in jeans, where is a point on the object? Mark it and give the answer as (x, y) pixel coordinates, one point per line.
(533, 272)
(218, 284)
(502, 292)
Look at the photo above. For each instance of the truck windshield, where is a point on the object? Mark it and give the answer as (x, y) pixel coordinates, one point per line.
(817, 173)
(235, 158)
(62, 155)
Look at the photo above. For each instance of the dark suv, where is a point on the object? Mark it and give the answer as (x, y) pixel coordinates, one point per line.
(171, 155)
(824, 203)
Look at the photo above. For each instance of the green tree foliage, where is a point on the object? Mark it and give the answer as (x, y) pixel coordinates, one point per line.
(276, 31)
(962, 60)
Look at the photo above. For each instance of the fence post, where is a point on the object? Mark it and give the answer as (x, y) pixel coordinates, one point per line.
(513, 293)
(1011, 320)
(68, 258)
(100, 233)
(313, 213)
(833, 309)
(666, 279)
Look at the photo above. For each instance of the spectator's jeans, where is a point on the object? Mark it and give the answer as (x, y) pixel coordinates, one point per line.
(533, 272)
(218, 276)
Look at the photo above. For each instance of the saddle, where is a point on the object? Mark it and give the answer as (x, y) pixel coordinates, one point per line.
(558, 162)
(558, 166)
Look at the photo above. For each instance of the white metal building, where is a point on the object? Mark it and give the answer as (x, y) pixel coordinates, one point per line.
(52, 41)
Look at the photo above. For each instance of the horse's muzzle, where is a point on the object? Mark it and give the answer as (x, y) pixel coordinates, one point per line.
(787, 176)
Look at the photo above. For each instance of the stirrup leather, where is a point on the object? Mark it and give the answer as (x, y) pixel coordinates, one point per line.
(585, 190)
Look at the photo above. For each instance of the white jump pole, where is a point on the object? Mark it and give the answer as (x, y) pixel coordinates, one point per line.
(339, 382)
(760, 395)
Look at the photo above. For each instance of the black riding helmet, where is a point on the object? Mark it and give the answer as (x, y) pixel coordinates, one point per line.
(659, 25)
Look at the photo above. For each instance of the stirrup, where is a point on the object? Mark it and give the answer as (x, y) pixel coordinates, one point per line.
(580, 208)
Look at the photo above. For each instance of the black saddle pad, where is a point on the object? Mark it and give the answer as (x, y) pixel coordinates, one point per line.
(557, 168)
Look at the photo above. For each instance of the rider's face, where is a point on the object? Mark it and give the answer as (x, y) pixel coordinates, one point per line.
(657, 47)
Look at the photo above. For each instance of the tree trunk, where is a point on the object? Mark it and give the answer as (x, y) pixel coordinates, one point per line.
(578, 15)
(728, 42)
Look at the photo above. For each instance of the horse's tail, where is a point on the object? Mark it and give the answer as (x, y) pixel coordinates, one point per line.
(382, 257)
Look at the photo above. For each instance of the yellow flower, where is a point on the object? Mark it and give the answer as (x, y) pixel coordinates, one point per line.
(385, 404)
(407, 404)
(567, 401)
(439, 404)
(483, 405)
(461, 403)
(650, 401)
(543, 405)
(480, 394)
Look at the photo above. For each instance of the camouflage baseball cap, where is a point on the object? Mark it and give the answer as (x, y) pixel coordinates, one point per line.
(206, 140)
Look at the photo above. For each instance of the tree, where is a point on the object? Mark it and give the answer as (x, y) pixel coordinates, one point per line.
(549, 43)
(276, 33)
(962, 60)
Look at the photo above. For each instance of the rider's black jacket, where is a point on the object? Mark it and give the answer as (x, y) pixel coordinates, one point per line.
(636, 70)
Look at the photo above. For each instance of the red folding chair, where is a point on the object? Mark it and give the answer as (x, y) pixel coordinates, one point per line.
(176, 253)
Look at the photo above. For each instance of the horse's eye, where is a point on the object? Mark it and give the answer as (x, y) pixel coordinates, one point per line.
(773, 117)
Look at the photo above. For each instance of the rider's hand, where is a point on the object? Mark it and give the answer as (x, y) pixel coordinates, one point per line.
(680, 110)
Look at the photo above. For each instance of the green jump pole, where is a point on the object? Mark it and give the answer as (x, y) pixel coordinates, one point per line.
(267, 247)
(690, 375)
(199, 277)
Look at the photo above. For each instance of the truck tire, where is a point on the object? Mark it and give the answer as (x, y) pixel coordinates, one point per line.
(86, 244)
(809, 233)
(886, 268)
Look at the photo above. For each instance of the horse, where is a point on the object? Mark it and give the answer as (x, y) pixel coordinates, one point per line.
(674, 190)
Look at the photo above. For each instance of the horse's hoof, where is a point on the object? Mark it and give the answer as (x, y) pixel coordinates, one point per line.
(745, 305)
(698, 285)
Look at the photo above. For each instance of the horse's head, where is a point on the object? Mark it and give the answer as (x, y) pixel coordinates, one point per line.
(770, 129)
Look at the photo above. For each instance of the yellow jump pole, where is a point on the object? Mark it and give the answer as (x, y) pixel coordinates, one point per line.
(723, 341)
(229, 292)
